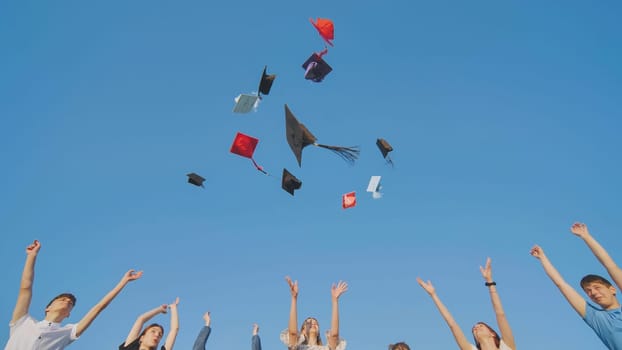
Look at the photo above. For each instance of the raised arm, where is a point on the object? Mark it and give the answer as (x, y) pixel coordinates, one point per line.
(292, 326)
(90, 316)
(502, 321)
(172, 334)
(461, 340)
(140, 322)
(580, 230)
(333, 333)
(25, 286)
(255, 341)
(574, 298)
(199, 343)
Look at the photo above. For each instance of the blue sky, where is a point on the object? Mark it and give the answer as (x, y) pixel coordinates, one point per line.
(504, 117)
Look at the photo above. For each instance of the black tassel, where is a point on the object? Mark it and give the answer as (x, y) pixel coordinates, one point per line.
(349, 154)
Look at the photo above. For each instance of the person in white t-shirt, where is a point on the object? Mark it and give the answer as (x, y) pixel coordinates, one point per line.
(485, 337)
(27, 333)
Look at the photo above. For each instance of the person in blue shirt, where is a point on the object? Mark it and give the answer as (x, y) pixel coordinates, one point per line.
(605, 318)
(199, 343)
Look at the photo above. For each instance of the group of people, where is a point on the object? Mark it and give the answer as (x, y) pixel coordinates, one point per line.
(604, 316)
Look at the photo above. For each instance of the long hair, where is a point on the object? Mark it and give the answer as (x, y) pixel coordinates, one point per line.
(302, 329)
(497, 338)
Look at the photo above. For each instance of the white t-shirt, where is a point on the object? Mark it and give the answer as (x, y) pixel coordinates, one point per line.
(341, 344)
(502, 346)
(30, 334)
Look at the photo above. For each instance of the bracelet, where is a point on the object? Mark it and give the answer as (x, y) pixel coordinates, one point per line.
(488, 284)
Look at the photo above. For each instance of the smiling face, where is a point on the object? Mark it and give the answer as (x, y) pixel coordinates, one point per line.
(311, 330)
(601, 294)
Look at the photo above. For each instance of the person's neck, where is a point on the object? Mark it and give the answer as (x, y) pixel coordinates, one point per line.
(614, 305)
(54, 317)
(312, 339)
(488, 344)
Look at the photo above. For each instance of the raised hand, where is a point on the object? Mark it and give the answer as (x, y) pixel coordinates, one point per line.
(537, 252)
(579, 229)
(293, 286)
(427, 286)
(174, 304)
(486, 271)
(132, 275)
(255, 328)
(33, 248)
(337, 290)
(207, 318)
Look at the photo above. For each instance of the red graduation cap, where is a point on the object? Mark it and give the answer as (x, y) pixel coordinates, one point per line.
(244, 146)
(326, 29)
(348, 200)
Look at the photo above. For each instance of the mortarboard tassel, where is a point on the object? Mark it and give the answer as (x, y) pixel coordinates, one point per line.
(349, 154)
(258, 167)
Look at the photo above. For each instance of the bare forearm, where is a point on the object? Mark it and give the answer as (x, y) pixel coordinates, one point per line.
(600, 252)
(333, 335)
(28, 274)
(461, 340)
(292, 326)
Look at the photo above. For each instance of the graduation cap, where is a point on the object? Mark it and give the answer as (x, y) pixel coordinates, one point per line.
(289, 182)
(316, 68)
(244, 103)
(266, 82)
(299, 137)
(325, 28)
(374, 187)
(244, 145)
(195, 179)
(385, 148)
(348, 200)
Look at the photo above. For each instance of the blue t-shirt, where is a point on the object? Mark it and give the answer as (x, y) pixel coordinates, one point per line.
(606, 323)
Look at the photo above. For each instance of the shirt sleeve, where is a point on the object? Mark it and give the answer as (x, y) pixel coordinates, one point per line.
(199, 343)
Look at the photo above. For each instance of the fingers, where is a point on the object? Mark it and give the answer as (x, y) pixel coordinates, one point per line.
(536, 251)
(34, 247)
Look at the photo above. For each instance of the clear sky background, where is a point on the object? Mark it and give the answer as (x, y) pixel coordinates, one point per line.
(504, 116)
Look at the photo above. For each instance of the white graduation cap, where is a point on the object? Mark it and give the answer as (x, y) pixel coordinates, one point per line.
(374, 187)
(244, 103)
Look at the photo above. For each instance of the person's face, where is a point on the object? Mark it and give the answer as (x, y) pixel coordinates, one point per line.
(152, 337)
(62, 305)
(312, 326)
(481, 331)
(601, 294)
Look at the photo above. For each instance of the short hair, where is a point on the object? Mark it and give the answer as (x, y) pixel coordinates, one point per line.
(587, 279)
(399, 346)
(63, 295)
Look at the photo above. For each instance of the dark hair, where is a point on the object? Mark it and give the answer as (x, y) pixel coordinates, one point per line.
(497, 338)
(319, 338)
(399, 346)
(587, 279)
(63, 295)
(153, 325)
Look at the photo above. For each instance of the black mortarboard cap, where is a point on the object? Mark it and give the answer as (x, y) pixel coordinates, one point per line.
(195, 179)
(316, 68)
(289, 182)
(266, 82)
(385, 148)
(298, 137)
